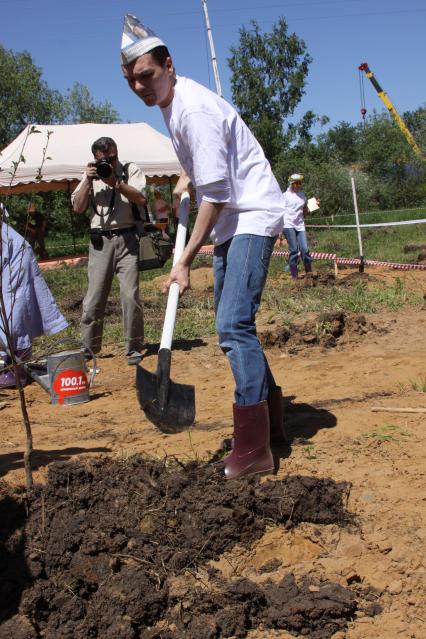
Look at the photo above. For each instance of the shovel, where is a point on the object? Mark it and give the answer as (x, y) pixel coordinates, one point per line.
(168, 405)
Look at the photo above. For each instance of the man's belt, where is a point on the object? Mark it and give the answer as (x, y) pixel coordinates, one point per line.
(111, 232)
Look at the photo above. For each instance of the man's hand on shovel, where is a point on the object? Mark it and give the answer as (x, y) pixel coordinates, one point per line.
(180, 270)
(180, 275)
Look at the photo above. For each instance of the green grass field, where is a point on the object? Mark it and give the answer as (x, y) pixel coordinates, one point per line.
(379, 243)
(280, 302)
(388, 243)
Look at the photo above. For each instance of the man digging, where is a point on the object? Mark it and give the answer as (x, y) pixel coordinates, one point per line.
(240, 205)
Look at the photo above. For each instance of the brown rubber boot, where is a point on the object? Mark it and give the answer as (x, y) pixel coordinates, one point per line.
(276, 417)
(293, 271)
(308, 267)
(251, 453)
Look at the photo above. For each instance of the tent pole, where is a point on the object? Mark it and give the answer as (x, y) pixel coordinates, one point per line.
(71, 217)
(170, 191)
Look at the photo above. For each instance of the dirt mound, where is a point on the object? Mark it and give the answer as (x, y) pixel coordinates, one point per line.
(201, 279)
(355, 278)
(327, 330)
(108, 549)
(319, 278)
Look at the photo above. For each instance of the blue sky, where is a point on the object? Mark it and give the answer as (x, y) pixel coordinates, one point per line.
(76, 40)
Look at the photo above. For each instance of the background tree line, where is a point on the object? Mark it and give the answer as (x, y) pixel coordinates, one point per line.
(269, 72)
(26, 98)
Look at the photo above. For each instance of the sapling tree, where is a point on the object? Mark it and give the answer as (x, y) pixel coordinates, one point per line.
(6, 312)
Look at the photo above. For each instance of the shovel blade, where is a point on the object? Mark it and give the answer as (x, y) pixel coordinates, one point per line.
(172, 415)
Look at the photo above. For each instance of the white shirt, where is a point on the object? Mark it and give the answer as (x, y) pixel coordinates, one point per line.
(225, 162)
(294, 203)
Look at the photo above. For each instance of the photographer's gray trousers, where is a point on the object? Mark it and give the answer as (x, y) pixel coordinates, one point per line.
(117, 255)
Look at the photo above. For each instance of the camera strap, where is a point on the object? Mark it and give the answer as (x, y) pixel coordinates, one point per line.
(110, 206)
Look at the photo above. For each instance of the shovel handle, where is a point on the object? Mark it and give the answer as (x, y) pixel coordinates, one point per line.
(173, 298)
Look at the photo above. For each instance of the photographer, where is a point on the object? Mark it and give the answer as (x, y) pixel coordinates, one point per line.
(110, 191)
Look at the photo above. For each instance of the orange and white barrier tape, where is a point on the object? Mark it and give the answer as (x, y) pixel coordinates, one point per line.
(313, 254)
(395, 265)
(208, 250)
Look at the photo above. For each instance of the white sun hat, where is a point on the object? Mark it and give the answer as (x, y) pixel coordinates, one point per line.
(295, 177)
(137, 39)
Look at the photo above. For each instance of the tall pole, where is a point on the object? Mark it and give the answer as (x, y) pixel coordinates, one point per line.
(212, 51)
(358, 229)
(71, 212)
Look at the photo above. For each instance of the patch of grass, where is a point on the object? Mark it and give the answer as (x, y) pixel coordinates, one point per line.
(281, 301)
(309, 452)
(59, 244)
(322, 329)
(418, 385)
(360, 298)
(66, 280)
(379, 243)
(402, 388)
(386, 433)
(196, 320)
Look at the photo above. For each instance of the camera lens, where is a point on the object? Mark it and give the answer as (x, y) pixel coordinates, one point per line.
(103, 168)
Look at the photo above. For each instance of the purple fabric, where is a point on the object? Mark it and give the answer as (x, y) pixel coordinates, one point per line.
(30, 308)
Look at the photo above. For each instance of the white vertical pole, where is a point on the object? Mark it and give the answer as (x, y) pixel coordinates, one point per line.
(361, 253)
(212, 51)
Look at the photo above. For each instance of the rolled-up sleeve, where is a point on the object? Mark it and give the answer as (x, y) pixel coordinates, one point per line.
(218, 192)
(137, 178)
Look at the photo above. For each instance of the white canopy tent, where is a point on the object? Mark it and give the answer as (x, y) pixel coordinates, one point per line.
(53, 157)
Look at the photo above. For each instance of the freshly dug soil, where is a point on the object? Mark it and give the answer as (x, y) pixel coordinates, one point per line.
(326, 330)
(107, 549)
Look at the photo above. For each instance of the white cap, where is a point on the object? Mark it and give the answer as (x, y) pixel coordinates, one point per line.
(295, 177)
(137, 40)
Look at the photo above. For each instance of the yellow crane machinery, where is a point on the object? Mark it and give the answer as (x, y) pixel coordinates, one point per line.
(388, 104)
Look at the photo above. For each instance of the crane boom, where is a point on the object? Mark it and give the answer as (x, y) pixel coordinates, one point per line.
(388, 104)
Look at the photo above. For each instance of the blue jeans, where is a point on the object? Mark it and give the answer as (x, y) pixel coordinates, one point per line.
(297, 241)
(240, 269)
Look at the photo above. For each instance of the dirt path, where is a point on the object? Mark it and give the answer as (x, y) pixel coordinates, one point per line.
(333, 434)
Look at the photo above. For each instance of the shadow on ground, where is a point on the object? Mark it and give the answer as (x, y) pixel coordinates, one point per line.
(13, 566)
(302, 422)
(14, 461)
(178, 345)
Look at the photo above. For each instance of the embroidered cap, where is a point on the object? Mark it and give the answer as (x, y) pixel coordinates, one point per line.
(137, 40)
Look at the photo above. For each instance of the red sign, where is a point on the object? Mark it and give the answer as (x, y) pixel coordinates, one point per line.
(70, 382)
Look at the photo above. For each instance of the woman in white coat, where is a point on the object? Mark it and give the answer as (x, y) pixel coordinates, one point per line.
(295, 209)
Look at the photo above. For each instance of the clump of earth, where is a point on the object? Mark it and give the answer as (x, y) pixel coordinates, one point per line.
(107, 549)
(326, 330)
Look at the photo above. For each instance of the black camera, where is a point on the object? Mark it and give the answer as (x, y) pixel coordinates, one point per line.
(103, 167)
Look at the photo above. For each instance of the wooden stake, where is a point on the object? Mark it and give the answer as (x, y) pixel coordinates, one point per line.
(382, 409)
